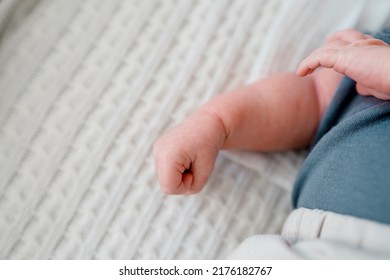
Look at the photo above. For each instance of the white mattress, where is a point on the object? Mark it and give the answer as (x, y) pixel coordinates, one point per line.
(87, 86)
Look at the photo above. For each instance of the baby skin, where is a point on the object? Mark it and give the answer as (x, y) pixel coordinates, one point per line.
(277, 113)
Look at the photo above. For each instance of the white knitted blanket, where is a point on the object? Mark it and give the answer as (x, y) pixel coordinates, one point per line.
(87, 86)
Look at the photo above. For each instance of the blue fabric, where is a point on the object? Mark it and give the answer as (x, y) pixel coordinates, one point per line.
(348, 168)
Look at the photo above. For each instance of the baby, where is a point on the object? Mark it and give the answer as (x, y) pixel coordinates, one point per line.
(346, 121)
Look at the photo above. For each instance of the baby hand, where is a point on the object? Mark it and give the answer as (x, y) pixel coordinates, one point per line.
(361, 57)
(185, 155)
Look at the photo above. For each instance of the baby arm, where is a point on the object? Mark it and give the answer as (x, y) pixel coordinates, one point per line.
(359, 56)
(280, 112)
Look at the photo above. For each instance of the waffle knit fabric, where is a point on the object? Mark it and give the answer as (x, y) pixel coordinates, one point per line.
(87, 86)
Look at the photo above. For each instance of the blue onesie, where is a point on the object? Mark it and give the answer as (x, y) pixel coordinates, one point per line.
(348, 168)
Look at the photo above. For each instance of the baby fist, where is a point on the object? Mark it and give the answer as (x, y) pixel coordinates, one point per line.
(185, 156)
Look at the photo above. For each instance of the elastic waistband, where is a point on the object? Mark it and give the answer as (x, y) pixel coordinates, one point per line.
(305, 224)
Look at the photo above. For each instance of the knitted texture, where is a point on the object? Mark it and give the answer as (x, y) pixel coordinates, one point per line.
(85, 89)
